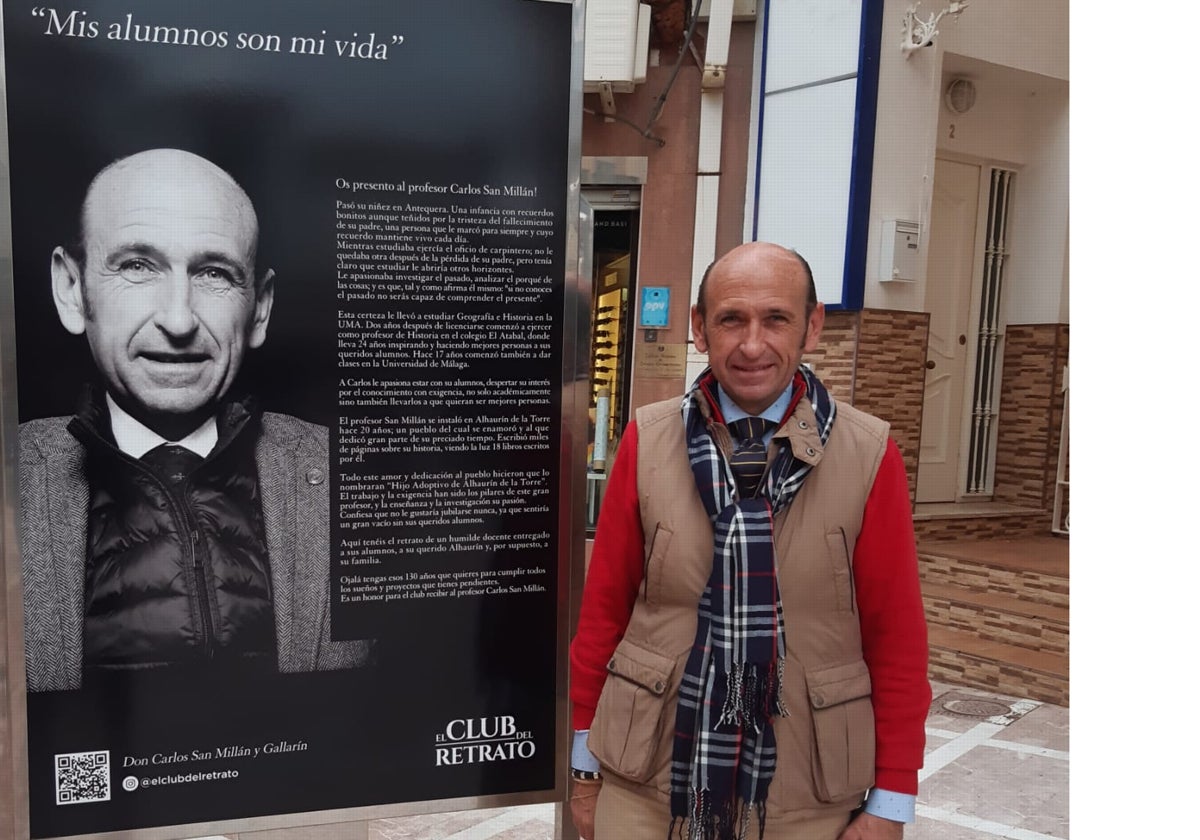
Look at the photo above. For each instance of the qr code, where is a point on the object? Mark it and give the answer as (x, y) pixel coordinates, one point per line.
(81, 777)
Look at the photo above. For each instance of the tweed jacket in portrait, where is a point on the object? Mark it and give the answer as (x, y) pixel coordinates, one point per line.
(293, 463)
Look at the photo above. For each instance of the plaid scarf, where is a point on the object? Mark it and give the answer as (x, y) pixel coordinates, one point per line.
(724, 748)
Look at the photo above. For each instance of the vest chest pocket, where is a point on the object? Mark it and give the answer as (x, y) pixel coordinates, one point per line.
(652, 570)
(626, 731)
(843, 756)
(841, 569)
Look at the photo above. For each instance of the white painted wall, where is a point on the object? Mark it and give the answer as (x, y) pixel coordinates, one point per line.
(1035, 283)
(1020, 120)
(902, 175)
(1031, 35)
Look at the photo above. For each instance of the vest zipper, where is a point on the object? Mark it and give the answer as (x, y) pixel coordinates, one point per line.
(196, 554)
(206, 623)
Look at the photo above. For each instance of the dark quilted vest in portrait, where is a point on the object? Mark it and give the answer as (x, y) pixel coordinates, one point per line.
(177, 569)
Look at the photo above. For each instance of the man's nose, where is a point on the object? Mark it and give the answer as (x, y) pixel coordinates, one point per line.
(752, 340)
(174, 314)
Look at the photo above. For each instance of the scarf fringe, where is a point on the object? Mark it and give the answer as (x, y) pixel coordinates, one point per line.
(752, 696)
(726, 822)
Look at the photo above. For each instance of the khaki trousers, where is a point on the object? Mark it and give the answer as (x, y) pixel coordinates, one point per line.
(622, 814)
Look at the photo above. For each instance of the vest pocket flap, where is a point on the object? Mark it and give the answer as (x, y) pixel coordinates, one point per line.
(838, 684)
(843, 721)
(634, 711)
(645, 668)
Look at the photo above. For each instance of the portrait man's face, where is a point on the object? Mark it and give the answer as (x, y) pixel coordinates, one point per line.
(166, 291)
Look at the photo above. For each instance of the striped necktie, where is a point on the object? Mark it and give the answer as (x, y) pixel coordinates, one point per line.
(749, 459)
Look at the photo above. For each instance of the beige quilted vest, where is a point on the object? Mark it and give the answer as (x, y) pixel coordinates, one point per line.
(826, 746)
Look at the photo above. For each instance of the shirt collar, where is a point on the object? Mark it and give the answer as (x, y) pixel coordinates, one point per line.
(135, 440)
(774, 412)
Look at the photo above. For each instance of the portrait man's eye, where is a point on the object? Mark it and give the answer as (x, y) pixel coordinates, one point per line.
(218, 279)
(137, 269)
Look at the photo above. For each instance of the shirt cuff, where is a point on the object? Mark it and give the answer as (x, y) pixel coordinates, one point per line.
(898, 807)
(581, 756)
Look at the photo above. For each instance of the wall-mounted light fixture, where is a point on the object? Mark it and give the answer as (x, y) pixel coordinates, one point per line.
(960, 96)
(920, 33)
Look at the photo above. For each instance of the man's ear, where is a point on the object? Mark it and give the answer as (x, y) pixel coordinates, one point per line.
(698, 331)
(66, 285)
(816, 322)
(264, 297)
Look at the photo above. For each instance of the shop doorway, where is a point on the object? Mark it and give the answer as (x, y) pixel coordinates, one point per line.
(614, 253)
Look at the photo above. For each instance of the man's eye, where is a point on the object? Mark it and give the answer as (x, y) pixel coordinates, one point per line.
(216, 277)
(136, 269)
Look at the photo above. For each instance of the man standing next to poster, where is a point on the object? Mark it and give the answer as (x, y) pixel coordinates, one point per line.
(755, 498)
(170, 522)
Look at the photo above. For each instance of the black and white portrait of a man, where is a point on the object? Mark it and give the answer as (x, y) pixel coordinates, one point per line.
(170, 522)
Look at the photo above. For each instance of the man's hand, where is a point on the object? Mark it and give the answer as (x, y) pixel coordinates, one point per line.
(583, 806)
(870, 827)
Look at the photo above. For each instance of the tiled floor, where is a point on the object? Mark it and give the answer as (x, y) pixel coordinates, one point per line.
(989, 778)
(1003, 776)
(527, 822)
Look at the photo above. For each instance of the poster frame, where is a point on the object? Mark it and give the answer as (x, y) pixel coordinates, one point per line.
(14, 768)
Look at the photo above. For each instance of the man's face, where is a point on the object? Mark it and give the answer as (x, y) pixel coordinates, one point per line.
(168, 296)
(755, 328)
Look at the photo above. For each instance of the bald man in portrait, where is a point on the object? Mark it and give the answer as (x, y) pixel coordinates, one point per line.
(170, 523)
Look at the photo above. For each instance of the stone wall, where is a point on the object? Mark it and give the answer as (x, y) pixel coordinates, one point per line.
(889, 377)
(875, 360)
(833, 361)
(1030, 414)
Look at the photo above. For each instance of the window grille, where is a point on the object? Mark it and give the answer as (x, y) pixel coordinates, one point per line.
(981, 454)
(1062, 484)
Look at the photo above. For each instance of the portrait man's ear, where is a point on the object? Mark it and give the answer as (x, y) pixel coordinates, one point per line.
(66, 282)
(264, 297)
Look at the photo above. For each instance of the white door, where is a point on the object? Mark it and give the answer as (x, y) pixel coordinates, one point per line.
(949, 281)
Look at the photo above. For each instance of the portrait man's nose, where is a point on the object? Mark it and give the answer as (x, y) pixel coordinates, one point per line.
(175, 314)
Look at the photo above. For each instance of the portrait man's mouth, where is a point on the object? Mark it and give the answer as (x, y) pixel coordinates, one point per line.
(175, 358)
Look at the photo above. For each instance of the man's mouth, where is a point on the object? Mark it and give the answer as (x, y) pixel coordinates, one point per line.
(752, 369)
(174, 358)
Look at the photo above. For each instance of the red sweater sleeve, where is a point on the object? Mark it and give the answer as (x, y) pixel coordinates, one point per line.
(892, 616)
(612, 583)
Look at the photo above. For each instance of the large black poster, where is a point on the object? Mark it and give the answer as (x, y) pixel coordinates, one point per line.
(288, 284)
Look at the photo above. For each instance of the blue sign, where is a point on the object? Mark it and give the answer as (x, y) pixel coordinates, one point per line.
(656, 303)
